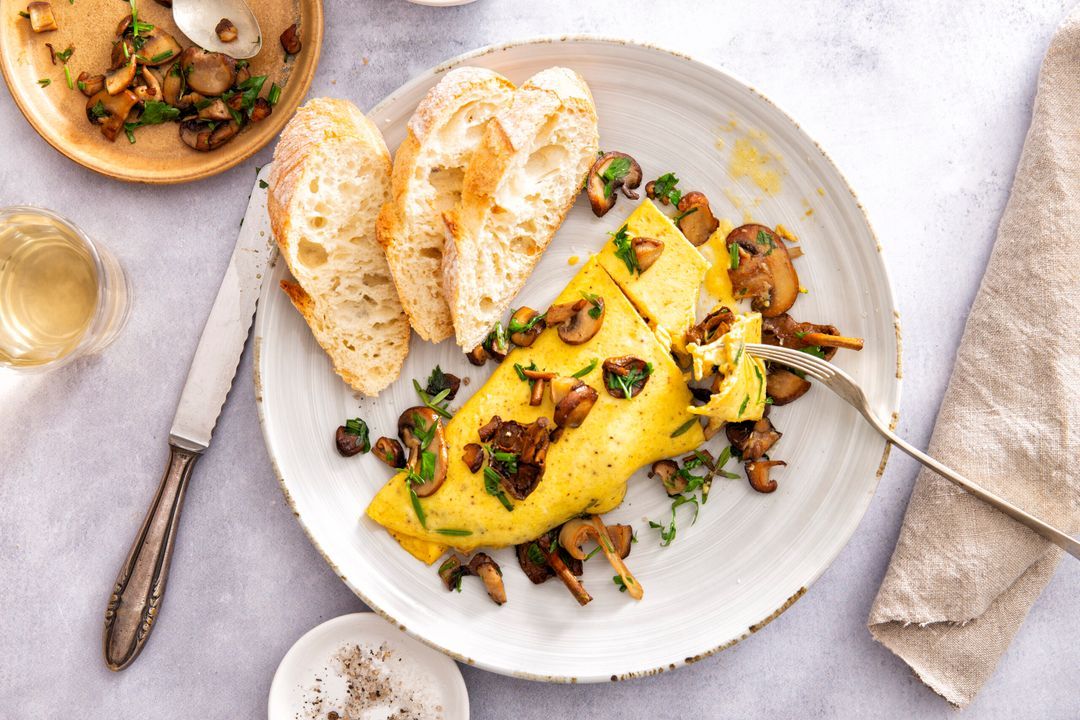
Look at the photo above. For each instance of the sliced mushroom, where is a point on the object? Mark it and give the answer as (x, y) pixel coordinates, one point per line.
(752, 438)
(349, 444)
(260, 110)
(622, 536)
(583, 323)
(225, 30)
(116, 81)
(647, 251)
(223, 133)
(580, 530)
(785, 331)
(488, 571)
(243, 73)
(610, 172)
(390, 452)
(563, 573)
(625, 373)
(123, 26)
(757, 472)
(41, 17)
(521, 318)
(89, 84)
(488, 429)
(764, 272)
(290, 40)
(532, 557)
(451, 572)
(477, 356)
(110, 111)
(716, 323)
(497, 344)
(215, 110)
(172, 85)
(668, 472)
(574, 404)
(696, 219)
(122, 52)
(527, 444)
(423, 420)
(151, 88)
(158, 47)
(784, 386)
(207, 73)
(473, 456)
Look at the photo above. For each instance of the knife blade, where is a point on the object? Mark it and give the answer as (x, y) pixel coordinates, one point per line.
(140, 586)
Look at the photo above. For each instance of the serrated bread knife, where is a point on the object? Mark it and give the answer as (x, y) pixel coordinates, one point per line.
(136, 598)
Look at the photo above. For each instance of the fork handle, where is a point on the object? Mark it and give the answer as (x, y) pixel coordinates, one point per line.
(1051, 533)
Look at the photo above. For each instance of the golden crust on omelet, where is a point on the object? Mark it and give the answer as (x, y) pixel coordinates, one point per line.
(586, 470)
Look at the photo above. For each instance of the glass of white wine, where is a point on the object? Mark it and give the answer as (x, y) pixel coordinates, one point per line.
(61, 295)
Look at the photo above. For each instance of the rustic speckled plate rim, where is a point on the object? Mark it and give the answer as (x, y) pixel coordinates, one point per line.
(205, 168)
(798, 592)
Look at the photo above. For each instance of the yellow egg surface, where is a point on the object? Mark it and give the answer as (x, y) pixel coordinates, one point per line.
(586, 470)
(667, 292)
(741, 394)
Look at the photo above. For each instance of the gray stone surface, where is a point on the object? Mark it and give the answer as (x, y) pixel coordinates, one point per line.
(923, 105)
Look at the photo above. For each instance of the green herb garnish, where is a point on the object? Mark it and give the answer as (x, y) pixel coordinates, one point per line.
(493, 486)
(597, 303)
(624, 250)
(263, 184)
(625, 383)
(664, 187)
(44, 82)
(814, 350)
(617, 168)
(587, 369)
(453, 531)
(154, 112)
(516, 326)
(359, 428)
(411, 479)
(619, 583)
(163, 55)
(733, 256)
(683, 428)
(66, 54)
(24, 14)
(742, 407)
(68, 78)
(678, 218)
(535, 554)
(436, 402)
(520, 370)
(274, 95)
(98, 110)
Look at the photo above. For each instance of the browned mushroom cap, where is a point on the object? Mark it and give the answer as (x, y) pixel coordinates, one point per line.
(696, 219)
(122, 52)
(225, 30)
(785, 331)
(349, 444)
(622, 537)
(488, 429)
(158, 47)
(525, 326)
(488, 570)
(764, 272)
(41, 17)
(625, 376)
(532, 557)
(214, 110)
(243, 73)
(528, 444)
(172, 85)
(757, 472)
(207, 73)
(122, 26)
(591, 527)
(668, 472)
(110, 111)
(584, 323)
(574, 404)
(116, 81)
(716, 323)
(610, 172)
(784, 386)
(260, 110)
(413, 423)
(752, 438)
(90, 84)
(390, 452)
(497, 344)
(290, 39)
(451, 572)
(473, 456)
(477, 356)
(151, 86)
(647, 251)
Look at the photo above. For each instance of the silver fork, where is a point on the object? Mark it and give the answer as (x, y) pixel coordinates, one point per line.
(843, 385)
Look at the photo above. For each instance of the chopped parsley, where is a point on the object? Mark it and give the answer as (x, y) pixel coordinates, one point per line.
(535, 554)
(493, 487)
(587, 369)
(665, 187)
(516, 326)
(437, 402)
(66, 54)
(814, 350)
(619, 583)
(520, 370)
(763, 238)
(624, 250)
(154, 112)
(359, 428)
(98, 110)
(597, 303)
(497, 341)
(615, 170)
(263, 184)
(437, 382)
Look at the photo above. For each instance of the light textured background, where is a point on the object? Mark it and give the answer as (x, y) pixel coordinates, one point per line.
(923, 105)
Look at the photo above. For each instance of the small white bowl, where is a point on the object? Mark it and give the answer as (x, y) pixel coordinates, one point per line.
(310, 662)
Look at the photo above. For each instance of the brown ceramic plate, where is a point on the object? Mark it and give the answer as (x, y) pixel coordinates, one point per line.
(158, 156)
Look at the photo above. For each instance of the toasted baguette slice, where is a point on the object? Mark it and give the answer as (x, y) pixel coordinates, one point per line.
(331, 175)
(517, 190)
(428, 169)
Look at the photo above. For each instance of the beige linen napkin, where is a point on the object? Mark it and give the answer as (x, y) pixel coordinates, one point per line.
(963, 576)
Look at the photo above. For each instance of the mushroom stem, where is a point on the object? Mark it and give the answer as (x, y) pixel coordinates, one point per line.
(836, 341)
(572, 583)
(537, 396)
(633, 588)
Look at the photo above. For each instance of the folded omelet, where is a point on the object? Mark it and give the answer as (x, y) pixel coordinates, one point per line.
(586, 469)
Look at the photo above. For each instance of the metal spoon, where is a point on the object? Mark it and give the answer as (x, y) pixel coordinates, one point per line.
(198, 19)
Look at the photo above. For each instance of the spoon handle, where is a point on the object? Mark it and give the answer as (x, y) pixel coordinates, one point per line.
(140, 586)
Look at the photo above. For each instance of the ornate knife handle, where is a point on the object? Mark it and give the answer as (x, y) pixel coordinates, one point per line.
(136, 598)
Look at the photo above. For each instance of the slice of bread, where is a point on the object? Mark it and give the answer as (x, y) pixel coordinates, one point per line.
(445, 130)
(517, 190)
(331, 175)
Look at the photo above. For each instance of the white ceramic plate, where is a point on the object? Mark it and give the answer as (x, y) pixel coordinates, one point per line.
(749, 556)
(432, 682)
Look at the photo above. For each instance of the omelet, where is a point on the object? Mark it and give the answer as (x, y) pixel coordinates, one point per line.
(741, 394)
(667, 292)
(586, 469)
